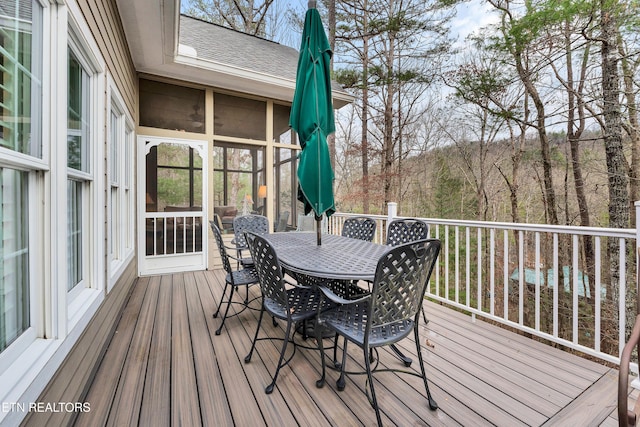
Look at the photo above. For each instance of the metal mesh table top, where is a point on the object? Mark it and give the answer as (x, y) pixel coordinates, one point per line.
(337, 258)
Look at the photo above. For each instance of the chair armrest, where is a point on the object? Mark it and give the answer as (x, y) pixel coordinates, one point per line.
(339, 300)
(233, 257)
(295, 285)
(626, 417)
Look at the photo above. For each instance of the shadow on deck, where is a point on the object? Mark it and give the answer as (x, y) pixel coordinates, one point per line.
(165, 366)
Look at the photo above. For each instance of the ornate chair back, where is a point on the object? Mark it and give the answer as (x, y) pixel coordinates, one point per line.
(401, 281)
(270, 273)
(362, 228)
(406, 230)
(257, 224)
(223, 252)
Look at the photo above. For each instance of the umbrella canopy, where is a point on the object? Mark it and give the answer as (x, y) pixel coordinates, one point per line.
(312, 118)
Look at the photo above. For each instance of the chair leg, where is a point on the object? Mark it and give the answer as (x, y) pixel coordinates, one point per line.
(320, 382)
(406, 360)
(341, 383)
(335, 351)
(432, 403)
(269, 388)
(373, 401)
(247, 358)
(226, 311)
(224, 292)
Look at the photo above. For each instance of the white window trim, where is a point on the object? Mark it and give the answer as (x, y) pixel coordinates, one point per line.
(38, 279)
(72, 306)
(126, 141)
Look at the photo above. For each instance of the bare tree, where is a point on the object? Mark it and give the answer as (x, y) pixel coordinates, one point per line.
(518, 37)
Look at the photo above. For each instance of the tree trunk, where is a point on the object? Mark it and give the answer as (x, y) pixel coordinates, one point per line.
(387, 138)
(549, 192)
(616, 162)
(365, 111)
(575, 127)
(633, 131)
(616, 165)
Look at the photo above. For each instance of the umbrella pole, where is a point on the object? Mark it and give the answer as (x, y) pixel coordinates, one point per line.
(319, 231)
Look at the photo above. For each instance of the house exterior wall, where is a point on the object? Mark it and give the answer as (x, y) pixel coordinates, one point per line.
(54, 358)
(104, 22)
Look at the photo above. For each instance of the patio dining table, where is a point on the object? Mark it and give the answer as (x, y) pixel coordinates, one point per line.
(338, 257)
(341, 258)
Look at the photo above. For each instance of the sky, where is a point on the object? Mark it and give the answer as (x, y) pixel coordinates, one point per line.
(471, 15)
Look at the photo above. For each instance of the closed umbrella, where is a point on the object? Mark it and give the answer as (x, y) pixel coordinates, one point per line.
(312, 118)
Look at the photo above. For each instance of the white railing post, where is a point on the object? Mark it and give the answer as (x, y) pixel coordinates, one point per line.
(392, 211)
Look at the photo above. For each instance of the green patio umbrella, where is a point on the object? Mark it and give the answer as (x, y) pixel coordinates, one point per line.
(312, 118)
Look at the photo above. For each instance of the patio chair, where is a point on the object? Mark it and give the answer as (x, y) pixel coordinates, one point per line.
(259, 210)
(254, 223)
(283, 222)
(402, 231)
(306, 223)
(245, 277)
(385, 316)
(406, 230)
(293, 303)
(362, 228)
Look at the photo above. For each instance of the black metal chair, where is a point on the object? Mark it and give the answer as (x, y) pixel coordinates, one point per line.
(245, 276)
(257, 224)
(362, 228)
(402, 231)
(406, 230)
(385, 316)
(294, 304)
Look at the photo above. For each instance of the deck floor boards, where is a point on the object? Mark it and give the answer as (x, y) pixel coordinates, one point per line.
(165, 365)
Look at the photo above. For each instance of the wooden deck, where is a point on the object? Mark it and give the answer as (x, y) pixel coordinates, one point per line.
(165, 366)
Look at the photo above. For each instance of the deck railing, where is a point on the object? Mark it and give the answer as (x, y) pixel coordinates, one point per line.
(507, 273)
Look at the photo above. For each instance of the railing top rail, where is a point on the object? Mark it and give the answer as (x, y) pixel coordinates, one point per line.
(560, 229)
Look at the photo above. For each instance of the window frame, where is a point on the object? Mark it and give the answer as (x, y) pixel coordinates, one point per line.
(79, 298)
(33, 166)
(120, 230)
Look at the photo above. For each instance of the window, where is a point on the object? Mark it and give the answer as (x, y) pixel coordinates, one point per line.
(21, 77)
(120, 195)
(129, 211)
(238, 171)
(285, 179)
(115, 152)
(79, 178)
(20, 132)
(14, 263)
